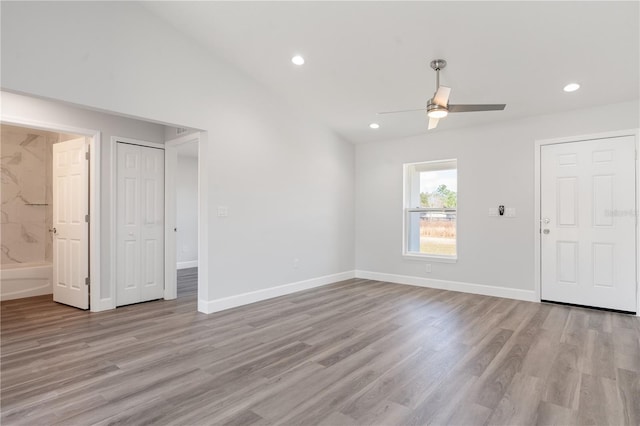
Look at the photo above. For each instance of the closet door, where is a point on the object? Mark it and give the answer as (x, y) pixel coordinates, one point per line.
(139, 224)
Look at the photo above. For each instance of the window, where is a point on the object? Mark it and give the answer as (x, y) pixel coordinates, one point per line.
(430, 209)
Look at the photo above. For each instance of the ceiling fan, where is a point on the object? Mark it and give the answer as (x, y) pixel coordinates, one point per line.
(438, 107)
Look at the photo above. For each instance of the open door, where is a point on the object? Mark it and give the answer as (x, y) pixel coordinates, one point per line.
(70, 223)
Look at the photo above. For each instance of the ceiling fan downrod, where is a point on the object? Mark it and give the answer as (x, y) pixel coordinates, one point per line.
(437, 65)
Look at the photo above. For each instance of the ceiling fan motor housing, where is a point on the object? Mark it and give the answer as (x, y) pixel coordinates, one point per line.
(431, 106)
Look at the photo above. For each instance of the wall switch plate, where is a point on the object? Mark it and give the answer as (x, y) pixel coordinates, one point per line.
(493, 211)
(223, 211)
(296, 263)
(510, 212)
(427, 267)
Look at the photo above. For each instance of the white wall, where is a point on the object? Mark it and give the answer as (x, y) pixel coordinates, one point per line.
(495, 166)
(187, 211)
(39, 110)
(287, 180)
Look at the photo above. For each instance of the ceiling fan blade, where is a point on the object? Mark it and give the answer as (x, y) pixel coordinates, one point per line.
(433, 123)
(471, 108)
(442, 96)
(402, 110)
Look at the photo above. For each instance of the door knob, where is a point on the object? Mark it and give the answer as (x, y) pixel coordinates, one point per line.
(53, 231)
(545, 231)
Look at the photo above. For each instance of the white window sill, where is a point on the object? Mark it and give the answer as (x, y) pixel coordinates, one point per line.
(430, 258)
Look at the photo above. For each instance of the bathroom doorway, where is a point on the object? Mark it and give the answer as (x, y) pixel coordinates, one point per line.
(46, 197)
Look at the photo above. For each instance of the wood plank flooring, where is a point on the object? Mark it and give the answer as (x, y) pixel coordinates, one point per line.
(355, 352)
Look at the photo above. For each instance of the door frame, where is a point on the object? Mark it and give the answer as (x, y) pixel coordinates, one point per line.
(95, 160)
(170, 167)
(538, 218)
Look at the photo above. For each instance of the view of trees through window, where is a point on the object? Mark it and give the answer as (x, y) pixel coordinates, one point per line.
(438, 190)
(441, 197)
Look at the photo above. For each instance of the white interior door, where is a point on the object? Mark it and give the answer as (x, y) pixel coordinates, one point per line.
(140, 224)
(70, 227)
(588, 240)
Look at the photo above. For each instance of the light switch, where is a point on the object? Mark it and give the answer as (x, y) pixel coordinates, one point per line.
(223, 211)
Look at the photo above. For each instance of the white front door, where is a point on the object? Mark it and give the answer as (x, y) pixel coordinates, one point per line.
(70, 226)
(140, 224)
(588, 229)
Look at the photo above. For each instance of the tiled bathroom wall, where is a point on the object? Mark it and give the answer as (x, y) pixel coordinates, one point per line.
(26, 195)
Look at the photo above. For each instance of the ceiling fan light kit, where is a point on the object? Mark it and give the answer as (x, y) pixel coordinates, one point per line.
(438, 107)
(436, 111)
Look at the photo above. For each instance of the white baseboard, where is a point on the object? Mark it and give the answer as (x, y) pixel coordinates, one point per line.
(487, 290)
(210, 306)
(187, 264)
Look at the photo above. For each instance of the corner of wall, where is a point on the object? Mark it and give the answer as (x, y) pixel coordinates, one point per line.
(216, 305)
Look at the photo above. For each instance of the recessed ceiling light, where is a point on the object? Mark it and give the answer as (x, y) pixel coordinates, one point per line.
(374, 125)
(298, 60)
(571, 87)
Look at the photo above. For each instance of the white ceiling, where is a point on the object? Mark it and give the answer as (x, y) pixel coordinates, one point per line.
(366, 57)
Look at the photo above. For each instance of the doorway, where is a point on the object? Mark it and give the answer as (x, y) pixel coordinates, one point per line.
(48, 194)
(183, 204)
(587, 222)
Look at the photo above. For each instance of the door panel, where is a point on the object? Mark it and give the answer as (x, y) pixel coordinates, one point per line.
(140, 224)
(567, 201)
(71, 235)
(588, 246)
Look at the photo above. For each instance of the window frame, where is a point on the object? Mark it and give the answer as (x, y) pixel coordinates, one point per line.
(408, 172)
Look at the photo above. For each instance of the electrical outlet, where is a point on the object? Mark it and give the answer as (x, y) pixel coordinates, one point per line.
(427, 267)
(493, 211)
(223, 211)
(510, 212)
(296, 263)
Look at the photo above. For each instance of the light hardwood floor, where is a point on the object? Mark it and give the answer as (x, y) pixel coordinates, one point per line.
(355, 352)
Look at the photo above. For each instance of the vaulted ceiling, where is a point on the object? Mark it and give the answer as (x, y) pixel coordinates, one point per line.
(366, 57)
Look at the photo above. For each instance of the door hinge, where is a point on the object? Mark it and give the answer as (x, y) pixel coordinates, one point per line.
(86, 218)
(86, 155)
(87, 281)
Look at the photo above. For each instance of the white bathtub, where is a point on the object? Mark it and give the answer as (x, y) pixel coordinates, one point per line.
(25, 280)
